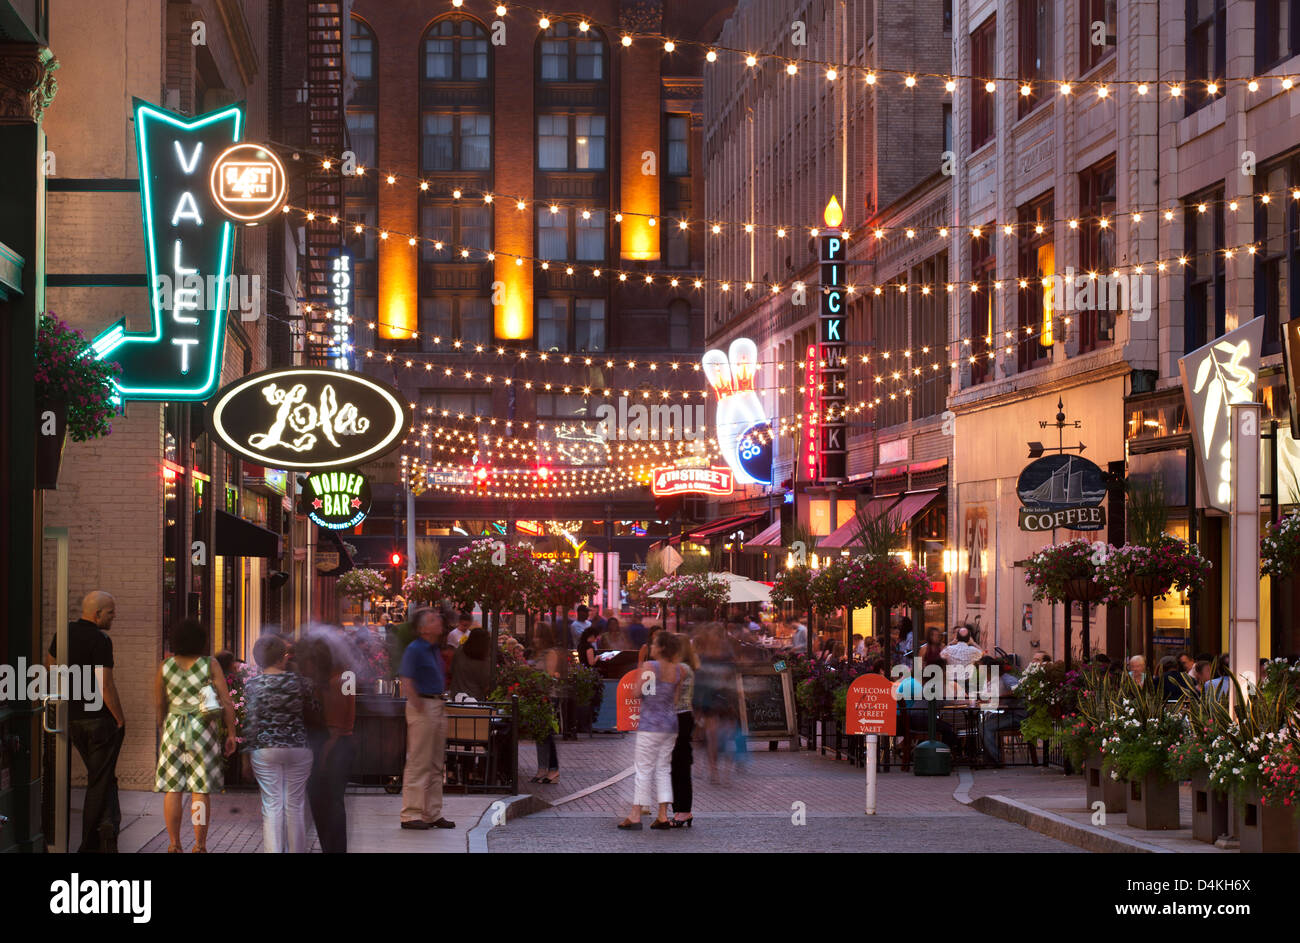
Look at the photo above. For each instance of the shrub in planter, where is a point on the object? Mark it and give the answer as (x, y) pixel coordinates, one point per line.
(534, 689)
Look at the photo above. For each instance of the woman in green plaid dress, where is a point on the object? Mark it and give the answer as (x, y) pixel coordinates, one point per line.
(190, 756)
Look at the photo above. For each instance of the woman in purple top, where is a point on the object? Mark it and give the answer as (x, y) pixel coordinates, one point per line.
(656, 733)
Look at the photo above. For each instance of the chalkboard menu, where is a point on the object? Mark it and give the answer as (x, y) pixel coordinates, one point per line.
(766, 703)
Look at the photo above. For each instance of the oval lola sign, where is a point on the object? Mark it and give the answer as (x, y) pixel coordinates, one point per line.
(305, 418)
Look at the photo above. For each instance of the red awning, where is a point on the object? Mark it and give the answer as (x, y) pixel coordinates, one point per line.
(724, 526)
(770, 537)
(912, 505)
(846, 534)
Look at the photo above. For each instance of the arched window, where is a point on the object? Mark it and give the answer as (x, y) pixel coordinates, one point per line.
(456, 136)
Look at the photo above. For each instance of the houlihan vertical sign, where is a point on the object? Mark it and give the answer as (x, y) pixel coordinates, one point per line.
(832, 341)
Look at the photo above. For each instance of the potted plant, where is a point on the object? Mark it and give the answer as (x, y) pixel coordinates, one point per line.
(74, 395)
(1049, 693)
(1136, 743)
(535, 690)
(1188, 761)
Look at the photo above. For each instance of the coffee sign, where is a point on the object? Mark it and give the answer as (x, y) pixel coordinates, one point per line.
(1061, 491)
(336, 500)
(304, 418)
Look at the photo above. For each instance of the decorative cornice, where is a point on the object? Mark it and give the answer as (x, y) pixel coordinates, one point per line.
(27, 83)
(641, 16)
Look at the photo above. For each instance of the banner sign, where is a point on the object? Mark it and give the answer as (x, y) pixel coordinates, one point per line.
(1061, 491)
(188, 247)
(305, 418)
(744, 431)
(341, 325)
(1216, 376)
(711, 481)
(336, 500)
(1291, 361)
(832, 342)
(810, 446)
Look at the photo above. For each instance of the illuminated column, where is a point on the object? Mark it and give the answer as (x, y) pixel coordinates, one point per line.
(1243, 529)
(513, 148)
(640, 160)
(398, 138)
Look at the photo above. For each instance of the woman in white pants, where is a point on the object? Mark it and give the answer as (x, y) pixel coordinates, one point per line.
(656, 733)
(276, 736)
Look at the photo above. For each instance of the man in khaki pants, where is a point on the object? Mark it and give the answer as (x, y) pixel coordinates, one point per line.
(423, 684)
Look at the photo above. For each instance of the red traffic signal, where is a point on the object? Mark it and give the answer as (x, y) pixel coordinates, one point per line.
(395, 559)
(543, 473)
(481, 476)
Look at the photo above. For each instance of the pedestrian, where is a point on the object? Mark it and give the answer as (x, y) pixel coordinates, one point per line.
(683, 757)
(579, 625)
(615, 639)
(554, 661)
(96, 721)
(1137, 670)
(189, 692)
(636, 632)
(799, 638)
(905, 639)
(471, 672)
(931, 652)
(716, 704)
(275, 736)
(588, 644)
(423, 684)
(656, 735)
(327, 787)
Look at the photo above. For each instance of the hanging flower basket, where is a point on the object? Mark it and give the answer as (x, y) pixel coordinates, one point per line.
(362, 584)
(494, 574)
(421, 588)
(887, 582)
(1148, 572)
(1067, 572)
(73, 394)
(563, 585)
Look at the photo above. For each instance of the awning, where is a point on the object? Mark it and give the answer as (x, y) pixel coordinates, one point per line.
(236, 537)
(724, 526)
(847, 533)
(912, 505)
(769, 537)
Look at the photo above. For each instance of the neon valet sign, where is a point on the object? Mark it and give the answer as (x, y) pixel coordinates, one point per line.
(1214, 377)
(188, 238)
(744, 432)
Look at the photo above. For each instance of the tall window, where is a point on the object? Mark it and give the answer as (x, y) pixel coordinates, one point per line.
(571, 142)
(361, 193)
(929, 331)
(1096, 250)
(1277, 32)
(456, 50)
(444, 318)
(891, 329)
(1035, 258)
(1204, 311)
(1207, 38)
(456, 142)
(1098, 25)
(983, 310)
(678, 132)
(451, 404)
(448, 228)
(569, 54)
(1036, 52)
(571, 324)
(679, 324)
(1277, 266)
(361, 49)
(984, 66)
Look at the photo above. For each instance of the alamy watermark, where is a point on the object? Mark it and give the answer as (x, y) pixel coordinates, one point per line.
(1133, 293)
(63, 682)
(638, 422)
(192, 292)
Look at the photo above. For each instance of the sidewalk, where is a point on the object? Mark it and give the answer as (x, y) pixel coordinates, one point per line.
(236, 827)
(1054, 804)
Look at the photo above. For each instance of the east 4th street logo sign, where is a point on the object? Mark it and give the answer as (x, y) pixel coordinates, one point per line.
(189, 240)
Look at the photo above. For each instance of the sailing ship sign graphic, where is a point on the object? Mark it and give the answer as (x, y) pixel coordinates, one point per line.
(1061, 491)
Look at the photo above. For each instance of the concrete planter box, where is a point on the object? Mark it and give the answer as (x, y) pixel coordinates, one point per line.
(1153, 802)
(1101, 788)
(1266, 829)
(1209, 809)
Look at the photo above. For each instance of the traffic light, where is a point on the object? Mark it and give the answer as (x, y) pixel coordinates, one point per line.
(395, 559)
(481, 476)
(543, 473)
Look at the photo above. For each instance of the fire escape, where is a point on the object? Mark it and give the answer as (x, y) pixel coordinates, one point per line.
(326, 34)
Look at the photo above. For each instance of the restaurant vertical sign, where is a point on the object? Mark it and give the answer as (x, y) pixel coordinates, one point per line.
(832, 342)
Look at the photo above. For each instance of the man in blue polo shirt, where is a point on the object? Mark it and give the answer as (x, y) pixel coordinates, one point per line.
(423, 684)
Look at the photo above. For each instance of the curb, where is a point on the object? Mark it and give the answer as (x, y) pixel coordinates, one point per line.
(513, 807)
(1087, 837)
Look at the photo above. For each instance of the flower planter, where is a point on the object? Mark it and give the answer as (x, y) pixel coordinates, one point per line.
(1153, 802)
(1113, 794)
(51, 437)
(1265, 829)
(1209, 809)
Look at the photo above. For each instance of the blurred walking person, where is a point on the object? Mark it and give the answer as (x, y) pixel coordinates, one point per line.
(327, 786)
(554, 661)
(275, 736)
(189, 693)
(424, 684)
(683, 794)
(716, 701)
(656, 733)
(471, 672)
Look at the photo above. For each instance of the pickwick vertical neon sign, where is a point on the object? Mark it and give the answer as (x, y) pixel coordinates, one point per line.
(832, 340)
(188, 244)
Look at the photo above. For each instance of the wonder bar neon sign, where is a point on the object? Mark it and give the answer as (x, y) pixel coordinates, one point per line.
(188, 239)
